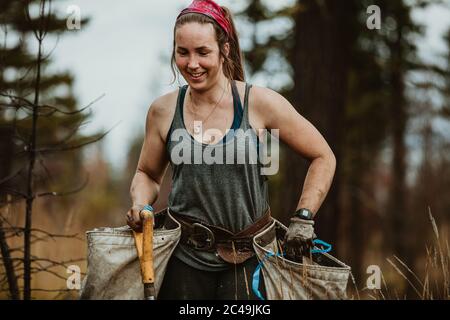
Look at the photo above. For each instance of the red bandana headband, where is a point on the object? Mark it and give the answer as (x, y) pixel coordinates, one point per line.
(211, 9)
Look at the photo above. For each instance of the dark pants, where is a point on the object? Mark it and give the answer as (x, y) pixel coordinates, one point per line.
(182, 282)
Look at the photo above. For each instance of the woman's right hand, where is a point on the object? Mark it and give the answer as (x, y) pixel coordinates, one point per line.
(134, 218)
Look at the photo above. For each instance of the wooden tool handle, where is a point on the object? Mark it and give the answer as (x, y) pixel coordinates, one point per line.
(148, 273)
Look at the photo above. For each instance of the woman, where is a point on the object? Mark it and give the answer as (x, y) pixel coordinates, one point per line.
(221, 206)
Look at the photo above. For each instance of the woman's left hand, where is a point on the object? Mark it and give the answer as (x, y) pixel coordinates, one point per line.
(298, 240)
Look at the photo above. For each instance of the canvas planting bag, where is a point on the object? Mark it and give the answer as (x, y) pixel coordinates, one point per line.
(323, 277)
(113, 270)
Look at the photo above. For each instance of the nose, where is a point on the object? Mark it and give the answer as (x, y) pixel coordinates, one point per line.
(193, 63)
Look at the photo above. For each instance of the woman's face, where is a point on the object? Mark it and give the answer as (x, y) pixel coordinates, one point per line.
(197, 55)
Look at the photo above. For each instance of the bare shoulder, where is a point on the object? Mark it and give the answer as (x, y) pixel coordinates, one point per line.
(255, 91)
(253, 113)
(264, 97)
(161, 111)
(264, 104)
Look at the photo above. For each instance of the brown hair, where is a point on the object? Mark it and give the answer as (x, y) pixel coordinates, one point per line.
(233, 64)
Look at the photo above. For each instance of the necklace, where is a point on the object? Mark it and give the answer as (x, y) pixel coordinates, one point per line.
(197, 125)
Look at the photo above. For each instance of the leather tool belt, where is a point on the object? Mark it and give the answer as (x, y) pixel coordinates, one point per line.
(232, 247)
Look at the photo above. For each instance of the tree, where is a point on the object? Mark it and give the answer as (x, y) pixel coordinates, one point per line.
(37, 128)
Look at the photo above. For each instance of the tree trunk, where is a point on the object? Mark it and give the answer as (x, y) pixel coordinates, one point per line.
(397, 205)
(320, 76)
(8, 264)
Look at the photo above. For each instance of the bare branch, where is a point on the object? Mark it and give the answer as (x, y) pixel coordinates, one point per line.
(25, 101)
(54, 263)
(28, 18)
(9, 105)
(70, 134)
(3, 219)
(38, 270)
(46, 269)
(12, 175)
(47, 234)
(54, 109)
(47, 171)
(78, 146)
(18, 193)
(52, 290)
(43, 290)
(51, 235)
(45, 18)
(8, 202)
(27, 71)
(37, 239)
(46, 57)
(14, 249)
(61, 194)
(51, 264)
(48, 150)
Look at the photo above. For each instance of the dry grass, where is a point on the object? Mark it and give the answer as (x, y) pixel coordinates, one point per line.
(430, 282)
(434, 282)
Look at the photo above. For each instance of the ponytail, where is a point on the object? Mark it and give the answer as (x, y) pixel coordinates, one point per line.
(233, 66)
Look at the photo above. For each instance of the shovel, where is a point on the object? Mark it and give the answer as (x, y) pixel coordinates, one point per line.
(144, 247)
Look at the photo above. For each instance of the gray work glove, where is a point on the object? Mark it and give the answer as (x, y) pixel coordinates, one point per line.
(298, 240)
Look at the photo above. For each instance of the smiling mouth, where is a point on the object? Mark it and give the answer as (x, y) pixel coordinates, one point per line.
(196, 75)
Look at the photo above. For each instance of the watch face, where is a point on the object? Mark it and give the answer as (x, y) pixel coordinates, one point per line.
(304, 213)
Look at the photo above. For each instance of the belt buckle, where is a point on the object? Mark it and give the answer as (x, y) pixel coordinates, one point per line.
(210, 241)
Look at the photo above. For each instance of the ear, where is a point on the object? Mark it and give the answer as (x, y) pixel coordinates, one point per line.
(226, 48)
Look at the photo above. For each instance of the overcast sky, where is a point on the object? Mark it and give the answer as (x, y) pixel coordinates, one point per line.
(119, 54)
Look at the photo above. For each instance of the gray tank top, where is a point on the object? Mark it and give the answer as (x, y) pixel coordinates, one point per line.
(220, 184)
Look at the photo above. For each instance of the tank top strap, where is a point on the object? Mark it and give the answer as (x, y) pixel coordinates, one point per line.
(238, 110)
(180, 103)
(177, 121)
(245, 119)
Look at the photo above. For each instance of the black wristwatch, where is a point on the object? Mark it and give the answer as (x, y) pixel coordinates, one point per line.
(304, 214)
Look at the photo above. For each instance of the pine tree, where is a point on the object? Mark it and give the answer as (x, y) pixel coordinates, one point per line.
(41, 124)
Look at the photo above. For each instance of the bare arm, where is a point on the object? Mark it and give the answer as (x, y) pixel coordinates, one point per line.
(300, 135)
(151, 167)
(152, 162)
